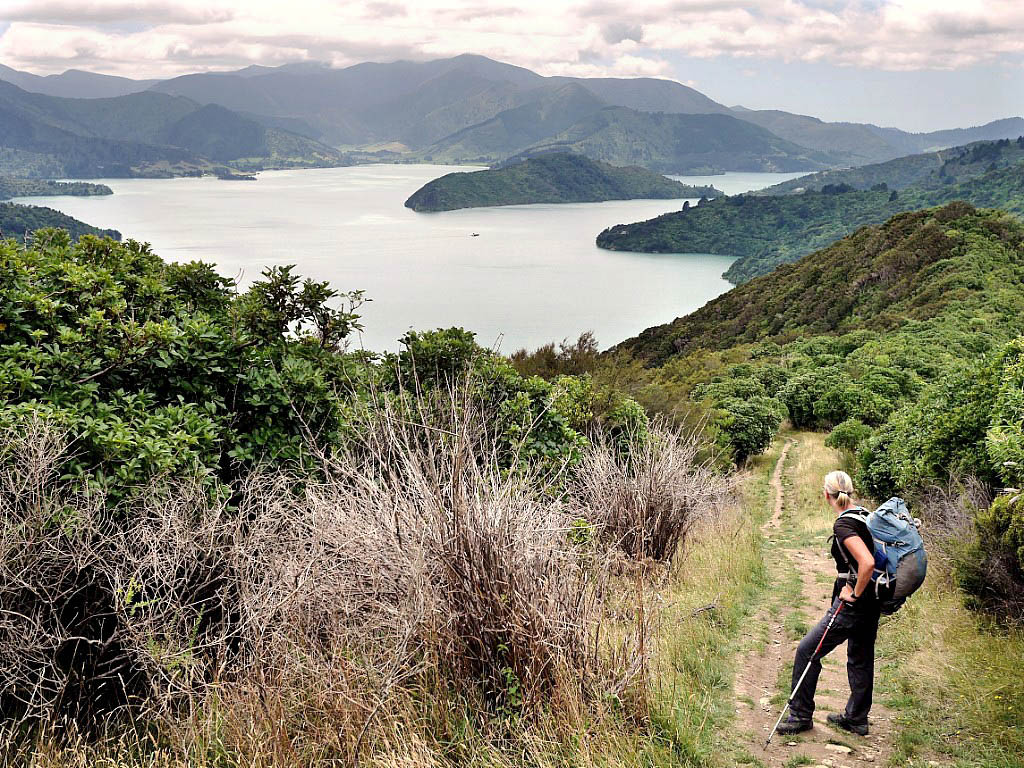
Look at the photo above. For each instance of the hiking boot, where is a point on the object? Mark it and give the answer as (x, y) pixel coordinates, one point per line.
(794, 725)
(842, 721)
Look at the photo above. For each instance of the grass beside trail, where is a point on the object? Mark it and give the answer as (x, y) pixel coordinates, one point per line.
(957, 682)
(693, 692)
(696, 612)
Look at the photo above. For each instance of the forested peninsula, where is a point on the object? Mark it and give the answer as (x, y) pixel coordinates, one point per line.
(20, 220)
(11, 187)
(787, 222)
(555, 178)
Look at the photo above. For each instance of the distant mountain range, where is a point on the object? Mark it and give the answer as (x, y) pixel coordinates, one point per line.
(74, 83)
(461, 109)
(680, 143)
(852, 144)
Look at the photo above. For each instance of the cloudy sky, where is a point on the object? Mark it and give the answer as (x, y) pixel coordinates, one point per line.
(916, 64)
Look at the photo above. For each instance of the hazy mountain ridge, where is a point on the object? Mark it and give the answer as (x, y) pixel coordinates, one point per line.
(555, 178)
(416, 103)
(680, 143)
(860, 143)
(75, 83)
(513, 130)
(144, 133)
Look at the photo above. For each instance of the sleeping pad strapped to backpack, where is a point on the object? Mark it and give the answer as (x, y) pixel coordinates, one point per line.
(900, 559)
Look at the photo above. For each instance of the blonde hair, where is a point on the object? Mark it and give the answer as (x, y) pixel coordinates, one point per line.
(839, 486)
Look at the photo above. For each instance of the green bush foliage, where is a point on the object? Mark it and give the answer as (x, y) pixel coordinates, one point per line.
(748, 425)
(969, 422)
(160, 369)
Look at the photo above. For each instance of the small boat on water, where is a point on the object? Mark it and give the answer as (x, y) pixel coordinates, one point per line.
(474, 234)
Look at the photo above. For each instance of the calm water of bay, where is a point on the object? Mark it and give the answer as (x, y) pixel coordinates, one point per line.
(532, 275)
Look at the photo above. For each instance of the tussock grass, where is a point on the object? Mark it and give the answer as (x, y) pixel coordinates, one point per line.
(645, 503)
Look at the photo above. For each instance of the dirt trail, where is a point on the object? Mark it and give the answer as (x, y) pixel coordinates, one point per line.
(801, 579)
(780, 494)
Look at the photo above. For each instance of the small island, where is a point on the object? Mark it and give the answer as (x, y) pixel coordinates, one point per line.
(552, 178)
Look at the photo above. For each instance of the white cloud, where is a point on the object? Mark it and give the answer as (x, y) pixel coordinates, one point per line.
(145, 38)
(105, 11)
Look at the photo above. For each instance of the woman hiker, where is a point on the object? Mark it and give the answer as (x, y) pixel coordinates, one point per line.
(857, 623)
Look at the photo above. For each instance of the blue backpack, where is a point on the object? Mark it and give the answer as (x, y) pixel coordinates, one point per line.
(900, 559)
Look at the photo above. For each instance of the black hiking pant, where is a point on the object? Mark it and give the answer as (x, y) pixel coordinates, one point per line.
(858, 626)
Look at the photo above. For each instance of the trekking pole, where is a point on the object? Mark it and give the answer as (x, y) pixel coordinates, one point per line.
(806, 669)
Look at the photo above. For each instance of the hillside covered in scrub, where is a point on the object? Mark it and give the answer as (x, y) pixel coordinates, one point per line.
(554, 178)
(950, 262)
(784, 223)
(902, 340)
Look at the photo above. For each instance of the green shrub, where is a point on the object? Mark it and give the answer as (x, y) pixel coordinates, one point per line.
(748, 426)
(1004, 440)
(969, 422)
(989, 570)
(848, 436)
(802, 393)
(939, 436)
(429, 358)
(1001, 528)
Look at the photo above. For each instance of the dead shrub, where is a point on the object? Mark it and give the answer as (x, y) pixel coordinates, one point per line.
(955, 516)
(61, 654)
(644, 504)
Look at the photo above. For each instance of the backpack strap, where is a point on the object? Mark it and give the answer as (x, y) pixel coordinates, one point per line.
(879, 577)
(857, 513)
